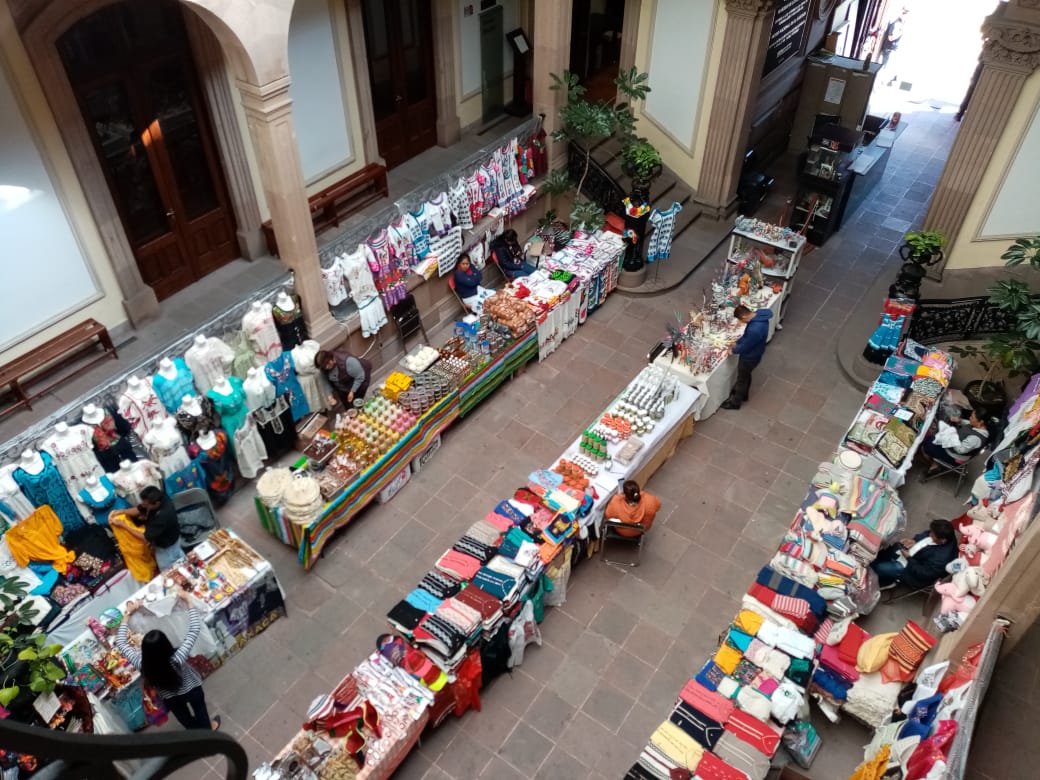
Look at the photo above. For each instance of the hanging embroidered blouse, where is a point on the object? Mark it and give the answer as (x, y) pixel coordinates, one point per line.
(315, 386)
(250, 452)
(11, 494)
(129, 482)
(439, 210)
(141, 407)
(460, 205)
(420, 230)
(230, 406)
(172, 390)
(334, 281)
(217, 467)
(245, 356)
(208, 362)
(282, 374)
(475, 196)
(193, 425)
(389, 276)
(259, 391)
(187, 478)
(399, 234)
(105, 502)
(47, 487)
(258, 323)
(166, 447)
(276, 427)
(488, 189)
(290, 326)
(75, 459)
(111, 440)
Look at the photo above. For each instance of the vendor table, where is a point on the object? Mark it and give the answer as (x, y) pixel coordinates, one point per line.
(227, 625)
(479, 385)
(715, 386)
(118, 590)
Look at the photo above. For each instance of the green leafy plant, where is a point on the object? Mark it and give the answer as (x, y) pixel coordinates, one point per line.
(1017, 352)
(588, 215)
(641, 161)
(18, 644)
(589, 123)
(925, 243)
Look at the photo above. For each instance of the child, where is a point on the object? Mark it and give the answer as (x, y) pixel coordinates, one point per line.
(749, 348)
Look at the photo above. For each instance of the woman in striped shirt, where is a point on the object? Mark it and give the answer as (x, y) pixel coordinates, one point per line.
(168, 670)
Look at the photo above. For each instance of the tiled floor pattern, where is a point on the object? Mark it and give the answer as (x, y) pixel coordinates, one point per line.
(615, 655)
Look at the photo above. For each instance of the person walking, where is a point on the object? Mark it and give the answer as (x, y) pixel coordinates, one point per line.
(168, 670)
(890, 45)
(749, 348)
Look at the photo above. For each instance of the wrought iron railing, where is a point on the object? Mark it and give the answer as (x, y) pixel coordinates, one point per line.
(957, 319)
(598, 186)
(96, 757)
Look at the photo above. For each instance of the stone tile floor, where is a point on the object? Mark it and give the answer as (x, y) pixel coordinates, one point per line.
(615, 655)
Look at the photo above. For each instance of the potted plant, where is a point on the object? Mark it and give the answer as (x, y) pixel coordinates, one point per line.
(1015, 352)
(642, 163)
(923, 247)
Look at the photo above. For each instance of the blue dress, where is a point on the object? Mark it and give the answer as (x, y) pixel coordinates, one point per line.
(172, 391)
(187, 478)
(109, 503)
(282, 373)
(48, 487)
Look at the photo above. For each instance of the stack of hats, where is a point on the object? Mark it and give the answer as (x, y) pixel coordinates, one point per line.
(302, 500)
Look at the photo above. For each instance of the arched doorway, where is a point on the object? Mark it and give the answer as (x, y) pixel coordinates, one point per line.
(131, 70)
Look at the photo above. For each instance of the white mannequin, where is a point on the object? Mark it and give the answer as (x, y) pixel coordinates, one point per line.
(201, 342)
(125, 466)
(259, 390)
(285, 302)
(224, 387)
(31, 462)
(97, 491)
(167, 369)
(134, 384)
(207, 440)
(62, 428)
(92, 415)
(191, 405)
(258, 307)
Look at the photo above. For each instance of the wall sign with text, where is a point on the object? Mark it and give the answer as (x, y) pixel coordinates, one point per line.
(786, 34)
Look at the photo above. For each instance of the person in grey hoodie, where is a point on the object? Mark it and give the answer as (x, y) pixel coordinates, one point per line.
(749, 348)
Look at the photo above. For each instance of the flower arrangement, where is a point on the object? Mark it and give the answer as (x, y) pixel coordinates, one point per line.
(634, 210)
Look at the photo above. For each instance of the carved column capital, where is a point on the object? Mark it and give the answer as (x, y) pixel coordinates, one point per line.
(750, 7)
(1011, 45)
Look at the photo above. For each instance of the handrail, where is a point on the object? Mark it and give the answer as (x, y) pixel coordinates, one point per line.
(957, 319)
(94, 756)
(598, 186)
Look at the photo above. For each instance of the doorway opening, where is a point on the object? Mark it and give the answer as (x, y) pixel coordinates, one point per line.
(399, 46)
(131, 70)
(596, 45)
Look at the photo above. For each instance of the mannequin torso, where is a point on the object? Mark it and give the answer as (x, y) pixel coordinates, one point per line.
(172, 382)
(258, 325)
(140, 405)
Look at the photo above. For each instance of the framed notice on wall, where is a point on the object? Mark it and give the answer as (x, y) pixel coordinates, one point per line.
(786, 34)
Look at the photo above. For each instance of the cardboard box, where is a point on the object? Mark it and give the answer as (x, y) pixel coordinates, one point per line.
(307, 428)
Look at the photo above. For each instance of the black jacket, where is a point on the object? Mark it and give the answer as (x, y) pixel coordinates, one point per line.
(929, 565)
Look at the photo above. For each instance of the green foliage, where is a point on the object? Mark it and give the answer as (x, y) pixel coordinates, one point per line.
(556, 182)
(633, 84)
(9, 694)
(1024, 250)
(924, 243)
(18, 644)
(587, 215)
(641, 160)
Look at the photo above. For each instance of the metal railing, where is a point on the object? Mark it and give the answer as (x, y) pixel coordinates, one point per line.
(599, 186)
(957, 319)
(96, 757)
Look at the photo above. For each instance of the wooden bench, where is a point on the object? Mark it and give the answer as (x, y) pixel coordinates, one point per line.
(337, 201)
(48, 358)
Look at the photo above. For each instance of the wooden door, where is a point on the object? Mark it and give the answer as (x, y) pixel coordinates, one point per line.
(492, 68)
(399, 44)
(132, 73)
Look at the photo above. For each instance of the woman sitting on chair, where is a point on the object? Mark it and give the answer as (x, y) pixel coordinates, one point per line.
(955, 444)
(919, 561)
(632, 506)
(510, 256)
(467, 285)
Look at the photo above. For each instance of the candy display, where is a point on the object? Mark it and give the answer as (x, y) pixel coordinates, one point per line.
(648, 393)
(396, 384)
(593, 445)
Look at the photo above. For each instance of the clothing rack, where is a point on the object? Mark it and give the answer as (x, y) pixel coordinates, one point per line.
(349, 240)
(107, 393)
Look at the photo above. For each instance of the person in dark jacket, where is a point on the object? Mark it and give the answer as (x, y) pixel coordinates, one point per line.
(348, 375)
(749, 348)
(157, 514)
(510, 257)
(920, 561)
(467, 284)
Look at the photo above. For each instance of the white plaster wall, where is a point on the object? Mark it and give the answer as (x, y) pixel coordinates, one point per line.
(52, 259)
(679, 42)
(319, 108)
(467, 60)
(1014, 212)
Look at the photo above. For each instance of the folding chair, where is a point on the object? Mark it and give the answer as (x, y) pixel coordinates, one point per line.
(611, 533)
(451, 286)
(405, 315)
(949, 467)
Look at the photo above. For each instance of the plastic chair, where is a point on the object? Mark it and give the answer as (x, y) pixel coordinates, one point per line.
(195, 504)
(451, 286)
(405, 315)
(943, 467)
(611, 533)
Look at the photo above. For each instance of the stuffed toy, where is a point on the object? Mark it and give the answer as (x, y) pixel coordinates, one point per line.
(959, 595)
(977, 539)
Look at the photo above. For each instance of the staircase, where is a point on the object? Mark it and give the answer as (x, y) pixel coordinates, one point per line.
(607, 184)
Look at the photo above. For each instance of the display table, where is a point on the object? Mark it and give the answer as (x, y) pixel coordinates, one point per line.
(233, 613)
(714, 387)
(480, 384)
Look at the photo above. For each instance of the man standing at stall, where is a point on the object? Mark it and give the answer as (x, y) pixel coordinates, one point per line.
(749, 348)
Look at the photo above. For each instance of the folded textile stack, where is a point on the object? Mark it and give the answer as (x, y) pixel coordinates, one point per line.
(441, 640)
(458, 565)
(489, 607)
(464, 617)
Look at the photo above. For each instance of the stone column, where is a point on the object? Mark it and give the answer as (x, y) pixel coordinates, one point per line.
(1010, 53)
(552, 52)
(736, 89)
(268, 109)
(216, 85)
(448, 128)
(629, 34)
